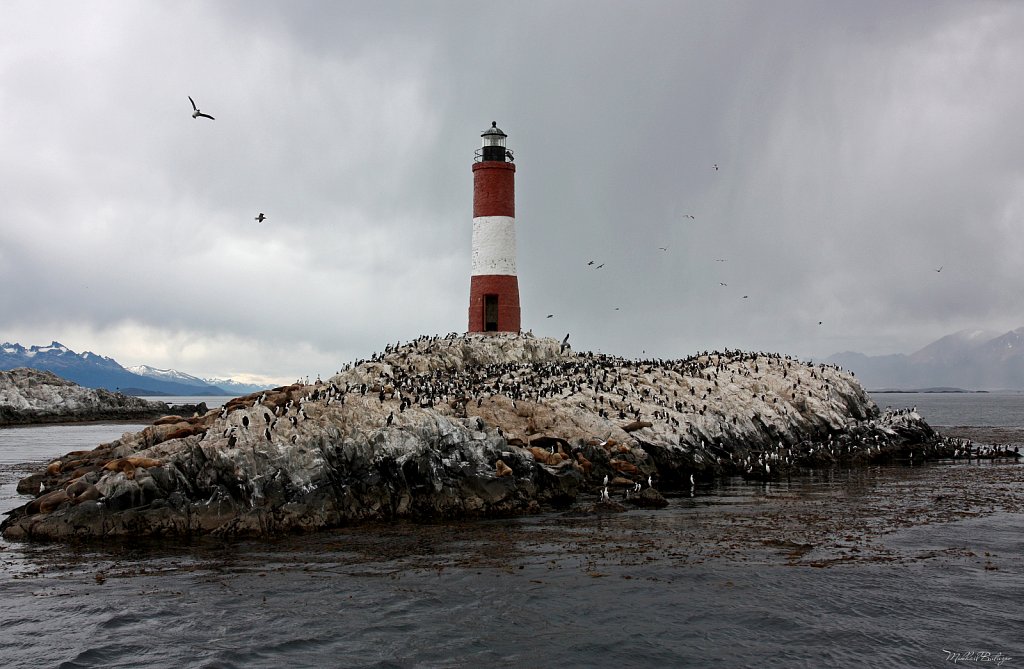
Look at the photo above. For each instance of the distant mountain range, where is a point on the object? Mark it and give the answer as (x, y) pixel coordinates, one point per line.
(969, 359)
(96, 371)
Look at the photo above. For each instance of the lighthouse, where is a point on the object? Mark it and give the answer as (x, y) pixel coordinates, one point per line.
(494, 287)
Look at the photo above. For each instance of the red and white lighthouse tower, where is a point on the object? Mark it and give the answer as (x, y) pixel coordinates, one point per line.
(494, 286)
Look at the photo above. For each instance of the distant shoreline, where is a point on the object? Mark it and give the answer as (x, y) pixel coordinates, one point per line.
(929, 390)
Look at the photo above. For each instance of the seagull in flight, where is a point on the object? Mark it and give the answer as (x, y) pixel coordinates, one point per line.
(689, 216)
(551, 315)
(940, 268)
(722, 284)
(663, 248)
(261, 218)
(715, 166)
(719, 259)
(599, 266)
(196, 113)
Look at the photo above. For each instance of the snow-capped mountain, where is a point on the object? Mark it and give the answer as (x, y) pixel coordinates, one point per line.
(235, 387)
(171, 375)
(969, 359)
(96, 371)
(224, 386)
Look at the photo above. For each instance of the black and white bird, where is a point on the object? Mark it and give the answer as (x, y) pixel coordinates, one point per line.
(261, 218)
(195, 110)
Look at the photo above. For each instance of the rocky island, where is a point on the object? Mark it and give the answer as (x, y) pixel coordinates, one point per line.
(467, 426)
(34, 396)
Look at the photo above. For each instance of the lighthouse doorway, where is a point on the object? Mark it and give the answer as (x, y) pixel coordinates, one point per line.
(490, 313)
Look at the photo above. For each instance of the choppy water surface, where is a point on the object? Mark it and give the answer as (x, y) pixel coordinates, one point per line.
(883, 566)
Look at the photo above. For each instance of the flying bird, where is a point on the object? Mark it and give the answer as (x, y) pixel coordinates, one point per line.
(261, 218)
(599, 266)
(590, 263)
(689, 216)
(940, 268)
(663, 248)
(722, 284)
(195, 110)
(551, 315)
(715, 166)
(719, 259)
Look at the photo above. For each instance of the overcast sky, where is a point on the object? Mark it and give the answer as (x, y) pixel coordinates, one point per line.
(860, 147)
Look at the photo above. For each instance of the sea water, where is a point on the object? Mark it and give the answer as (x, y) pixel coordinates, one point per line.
(874, 566)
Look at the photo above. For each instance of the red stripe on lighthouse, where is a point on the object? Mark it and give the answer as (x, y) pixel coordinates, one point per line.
(494, 189)
(506, 290)
(494, 298)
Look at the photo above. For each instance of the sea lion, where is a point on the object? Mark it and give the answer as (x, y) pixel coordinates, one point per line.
(539, 454)
(76, 487)
(623, 467)
(47, 503)
(637, 425)
(140, 461)
(167, 420)
(546, 457)
(121, 465)
(587, 465)
(54, 467)
(91, 492)
(502, 469)
(186, 431)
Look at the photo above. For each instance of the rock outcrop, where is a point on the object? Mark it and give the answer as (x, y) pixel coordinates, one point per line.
(466, 426)
(36, 396)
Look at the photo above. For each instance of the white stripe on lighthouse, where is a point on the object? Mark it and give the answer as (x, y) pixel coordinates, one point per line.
(494, 246)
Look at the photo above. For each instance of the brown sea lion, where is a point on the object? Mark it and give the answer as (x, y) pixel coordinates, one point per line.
(502, 469)
(47, 503)
(167, 420)
(623, 467)
(76, 487)
(90, 492)
(587, 465)
(140, 461)
(134, 460)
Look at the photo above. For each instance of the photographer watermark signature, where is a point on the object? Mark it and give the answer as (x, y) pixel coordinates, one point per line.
(976, 656)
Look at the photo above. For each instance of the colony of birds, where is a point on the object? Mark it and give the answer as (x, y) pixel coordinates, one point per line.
(761, 415)
(472, 425)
